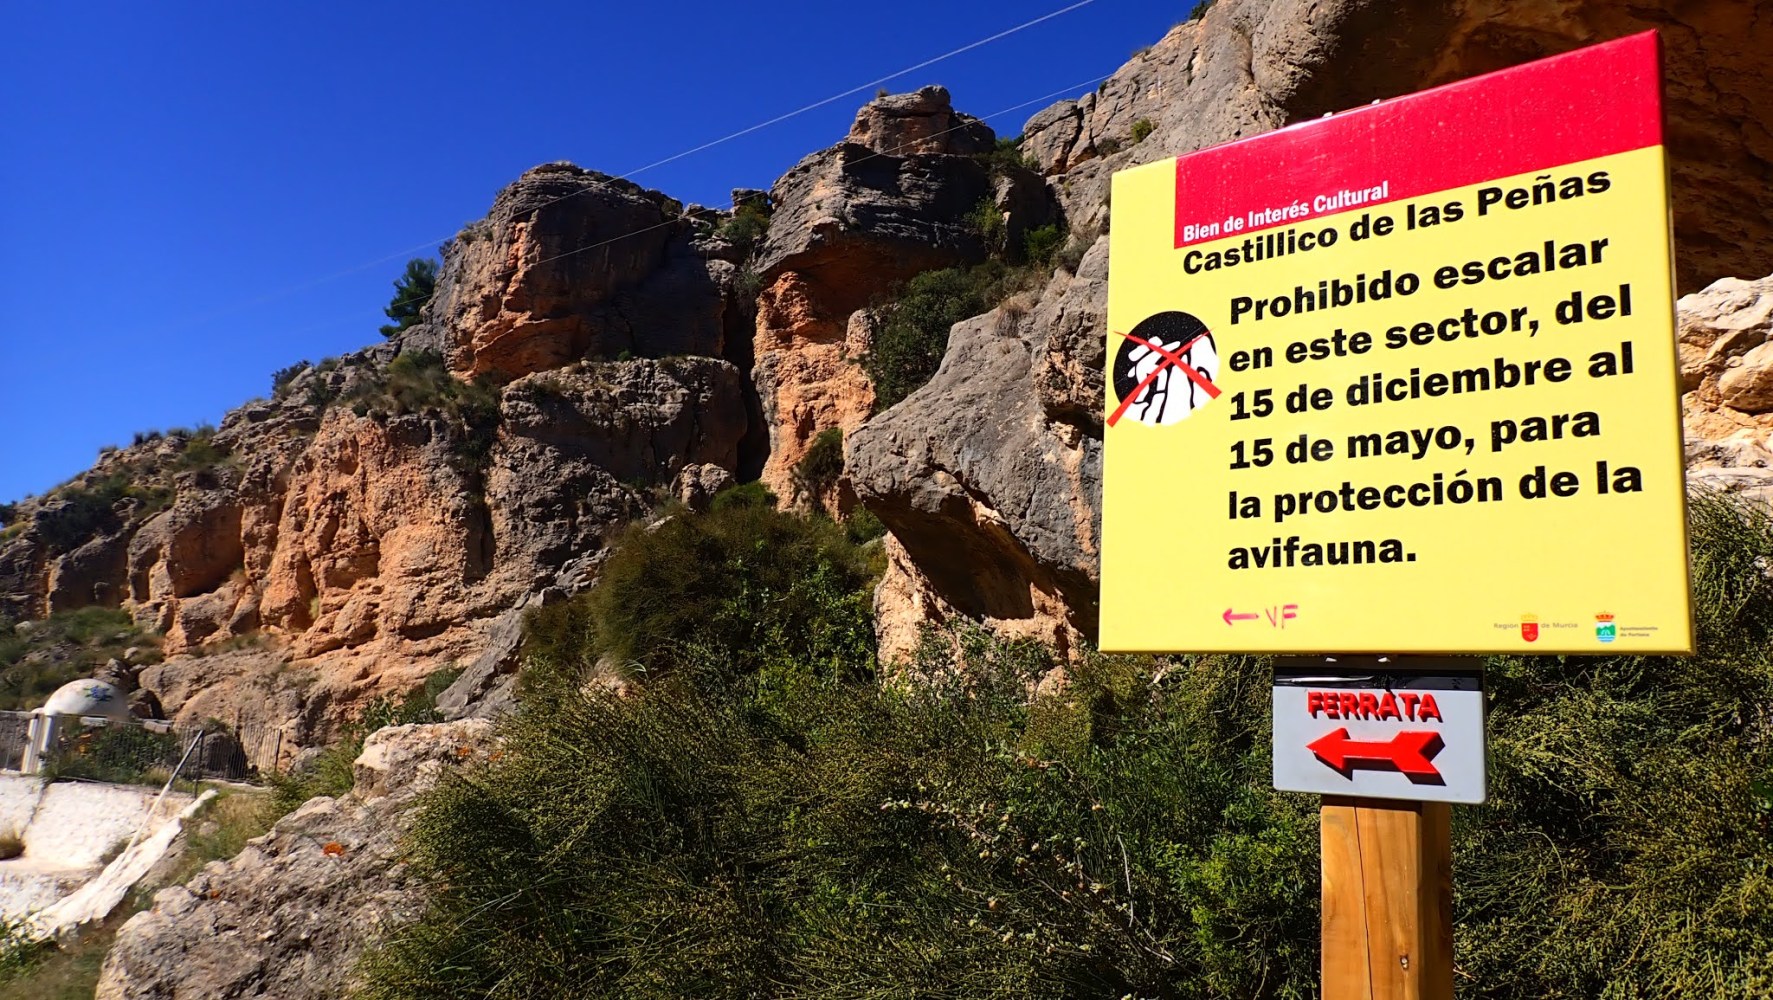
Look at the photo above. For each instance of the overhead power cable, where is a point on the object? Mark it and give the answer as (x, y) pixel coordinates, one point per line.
(669, 222)
(674, 221)
(398, 254)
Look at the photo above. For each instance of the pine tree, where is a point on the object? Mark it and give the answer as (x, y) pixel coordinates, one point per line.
(411, 291)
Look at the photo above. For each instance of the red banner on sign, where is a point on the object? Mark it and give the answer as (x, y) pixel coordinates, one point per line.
(1431, 141)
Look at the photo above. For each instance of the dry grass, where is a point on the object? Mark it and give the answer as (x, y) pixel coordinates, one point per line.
(70, 973)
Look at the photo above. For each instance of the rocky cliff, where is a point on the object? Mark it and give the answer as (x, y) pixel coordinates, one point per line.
(382, 517)
(594, 347)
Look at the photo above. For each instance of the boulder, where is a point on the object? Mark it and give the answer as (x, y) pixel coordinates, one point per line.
(1747, 381)
(919, 123)
(696, 486)
(92, 574)
(144, 705)
(573, 263)
(983, 478)
(289, 916)
(482, 677)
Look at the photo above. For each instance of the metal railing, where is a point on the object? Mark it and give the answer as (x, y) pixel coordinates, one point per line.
(124, 750)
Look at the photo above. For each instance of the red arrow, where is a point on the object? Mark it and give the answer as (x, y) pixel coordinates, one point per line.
(1408, 753)
(1229, 617)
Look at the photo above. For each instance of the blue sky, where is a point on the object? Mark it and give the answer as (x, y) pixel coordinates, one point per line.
(194, 195)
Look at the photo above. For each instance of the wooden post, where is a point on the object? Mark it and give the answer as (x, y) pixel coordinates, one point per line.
(1387, 899)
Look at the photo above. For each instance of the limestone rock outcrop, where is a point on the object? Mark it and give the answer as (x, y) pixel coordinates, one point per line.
(897, 198)
(573, 263)
(918, 124)
(1726, 337)
(289, 916)
(987, 476)
(379, 519)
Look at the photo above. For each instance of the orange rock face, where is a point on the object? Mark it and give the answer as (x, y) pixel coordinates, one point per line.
(813, 377)
(573, 263)
(376, 536)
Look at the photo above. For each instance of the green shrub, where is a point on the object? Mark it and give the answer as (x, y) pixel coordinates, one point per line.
(200, 451)
(1006, 157)
(987, 220)
(713, 839)
(412, 292)
(1108, 146)
(804, 832)
(1071, 256)
(1624, 850)
(863, 526)
(420, 382)
(8, 513)
(747, 283)
(746, 228)
(743, 586)
(282, 377)
(83, 514)
(822, 465)
(752, 494)
(1041, 244)
(21, 952)
(1141, 130)
(912, 335)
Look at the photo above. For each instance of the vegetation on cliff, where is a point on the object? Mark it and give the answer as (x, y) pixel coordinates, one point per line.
(412, 292)
(795, 828)
(38, 657)
(911, 335)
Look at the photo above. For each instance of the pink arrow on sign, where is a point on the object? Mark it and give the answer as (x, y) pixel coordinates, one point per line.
(1409, 753)
(1230, 617)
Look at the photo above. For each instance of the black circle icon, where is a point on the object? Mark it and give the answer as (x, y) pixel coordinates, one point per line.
(1164, 369)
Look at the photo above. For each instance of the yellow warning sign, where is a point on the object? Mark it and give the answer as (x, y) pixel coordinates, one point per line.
(1403, 380)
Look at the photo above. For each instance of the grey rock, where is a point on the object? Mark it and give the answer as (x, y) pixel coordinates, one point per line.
(498, 658)
(696, 485)
(579, 447)
(144, 704)
(117, 674)
(570, 263)
(750, 196)
(857, 220)
(92, 574)
(918, 124)
(979, 480)
(1051, 135)
(289, 916)
(498, 702)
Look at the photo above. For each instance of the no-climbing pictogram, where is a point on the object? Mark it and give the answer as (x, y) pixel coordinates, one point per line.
(1164, 369)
